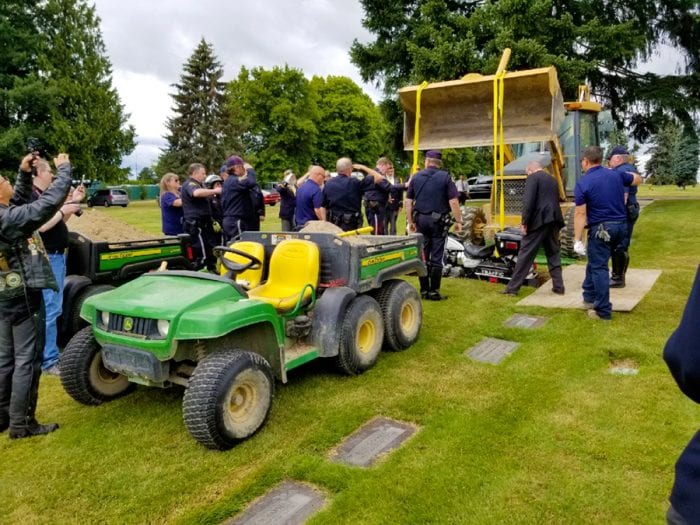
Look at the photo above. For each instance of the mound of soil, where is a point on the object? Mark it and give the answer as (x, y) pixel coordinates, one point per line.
(97, 225)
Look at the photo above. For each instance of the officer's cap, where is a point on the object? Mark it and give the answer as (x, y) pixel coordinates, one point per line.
(618, 150)
(433, 154)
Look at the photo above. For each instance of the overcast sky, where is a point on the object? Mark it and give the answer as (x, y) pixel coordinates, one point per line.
(148, 42)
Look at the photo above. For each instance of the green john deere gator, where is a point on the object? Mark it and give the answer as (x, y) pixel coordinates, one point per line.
(283, 299)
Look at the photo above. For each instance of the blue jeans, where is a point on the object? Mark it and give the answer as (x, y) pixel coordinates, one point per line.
(53, 302)
(596, 285)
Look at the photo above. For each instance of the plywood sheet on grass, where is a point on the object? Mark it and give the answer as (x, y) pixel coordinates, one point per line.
(639, 282)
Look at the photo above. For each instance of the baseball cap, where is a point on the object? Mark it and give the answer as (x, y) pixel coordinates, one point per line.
(433, 154)
(618, 150)
(234, 160)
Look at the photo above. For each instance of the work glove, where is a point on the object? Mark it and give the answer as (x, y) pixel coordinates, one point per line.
(216, 227)
(580, 248)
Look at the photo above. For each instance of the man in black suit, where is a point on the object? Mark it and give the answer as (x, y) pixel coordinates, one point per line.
(541, 222)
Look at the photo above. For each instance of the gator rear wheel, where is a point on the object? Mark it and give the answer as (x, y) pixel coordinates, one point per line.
(83, 374)
(473, 223)
(228, 398)
(361, 336)
(402, 312)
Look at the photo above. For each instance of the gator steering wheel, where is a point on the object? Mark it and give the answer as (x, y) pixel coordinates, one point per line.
(234, 267)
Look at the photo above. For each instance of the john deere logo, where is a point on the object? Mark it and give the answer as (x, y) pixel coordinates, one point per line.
(128, 324)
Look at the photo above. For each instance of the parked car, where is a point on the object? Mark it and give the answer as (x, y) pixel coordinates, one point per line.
(480, 187)
(109, 197)
(271, 196)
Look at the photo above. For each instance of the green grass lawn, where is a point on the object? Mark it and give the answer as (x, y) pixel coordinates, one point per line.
(548, 436)
(649, 191)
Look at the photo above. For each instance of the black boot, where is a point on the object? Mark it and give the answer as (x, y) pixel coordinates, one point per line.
(424, 286)
(620, 260)
(435, 278)
(32, 429)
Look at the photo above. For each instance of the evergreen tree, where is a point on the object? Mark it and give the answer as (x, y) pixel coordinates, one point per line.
(599, 41)
(55, 85)
(197, 132)
(86, 117)
(675, 157)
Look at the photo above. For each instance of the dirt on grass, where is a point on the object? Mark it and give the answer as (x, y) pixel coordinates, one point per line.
(96, 225)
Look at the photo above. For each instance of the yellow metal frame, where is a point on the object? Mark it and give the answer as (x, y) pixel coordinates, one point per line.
(416, 131)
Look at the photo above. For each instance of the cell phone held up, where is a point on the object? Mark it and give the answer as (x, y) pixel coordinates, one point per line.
(34, 147)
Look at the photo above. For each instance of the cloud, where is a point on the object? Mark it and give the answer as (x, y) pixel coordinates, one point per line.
(149, 42)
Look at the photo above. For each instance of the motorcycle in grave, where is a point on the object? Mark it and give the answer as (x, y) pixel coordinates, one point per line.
(493, 262)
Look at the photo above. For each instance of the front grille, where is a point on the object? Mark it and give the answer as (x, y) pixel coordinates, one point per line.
(139, 325)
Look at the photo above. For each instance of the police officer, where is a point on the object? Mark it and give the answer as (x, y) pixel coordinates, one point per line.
(619, 161)
(198, 222)
(343, 194)
(288, 200)
(309, 198)
(377, 197)
(430, 196)
(24, 272)
(394, 202)
(600, 202)
(237, 199)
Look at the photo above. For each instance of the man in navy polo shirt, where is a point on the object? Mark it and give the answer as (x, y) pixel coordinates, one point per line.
(310, 198)
(600, 203)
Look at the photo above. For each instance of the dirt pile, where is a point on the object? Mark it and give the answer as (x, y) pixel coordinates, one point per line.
(96, 225)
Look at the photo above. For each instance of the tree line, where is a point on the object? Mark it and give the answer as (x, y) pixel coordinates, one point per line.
(56, 87)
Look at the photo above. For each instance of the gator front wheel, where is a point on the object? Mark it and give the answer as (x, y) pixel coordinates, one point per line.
(361, 336)
(83, 374)
(228, 398)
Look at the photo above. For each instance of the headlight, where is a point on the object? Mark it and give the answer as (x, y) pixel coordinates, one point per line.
(105, 319)
(163, 327)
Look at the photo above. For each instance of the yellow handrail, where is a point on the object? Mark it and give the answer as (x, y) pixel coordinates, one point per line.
(416, 129)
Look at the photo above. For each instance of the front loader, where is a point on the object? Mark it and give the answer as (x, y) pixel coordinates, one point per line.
(522, 115)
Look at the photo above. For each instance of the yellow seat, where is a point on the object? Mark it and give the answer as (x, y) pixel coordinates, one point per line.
(249, 278)
(294, 268)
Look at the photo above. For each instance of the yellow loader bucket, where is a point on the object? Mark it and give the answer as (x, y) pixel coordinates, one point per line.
(459, 113)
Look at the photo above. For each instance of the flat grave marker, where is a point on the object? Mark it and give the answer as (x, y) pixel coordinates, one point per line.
(289, 503)
(491, 350)
(374, 439)
(524, 321)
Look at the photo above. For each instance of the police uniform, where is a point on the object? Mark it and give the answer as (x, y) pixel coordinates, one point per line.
(237, 202)
(24, 272)
(393, 206)
(343, 200)
(197, 222)
(602, 191)
(621, 258)
(431, 190)
(376, 198)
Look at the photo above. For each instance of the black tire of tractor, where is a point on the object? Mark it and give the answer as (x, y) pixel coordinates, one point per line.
(473, 221)
(566, 234)
(84, 376)
(361, 336)
(77, 323)
(402, 312)
(228, 398)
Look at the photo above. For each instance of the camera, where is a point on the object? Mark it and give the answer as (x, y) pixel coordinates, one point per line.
(34, 147)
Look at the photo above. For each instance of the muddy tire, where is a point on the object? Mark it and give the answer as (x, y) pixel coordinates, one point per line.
(402, 312)
(77, 323)
(83, 375)
(228, 398)
(566, 234)
(361, 336)
(473, 223)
